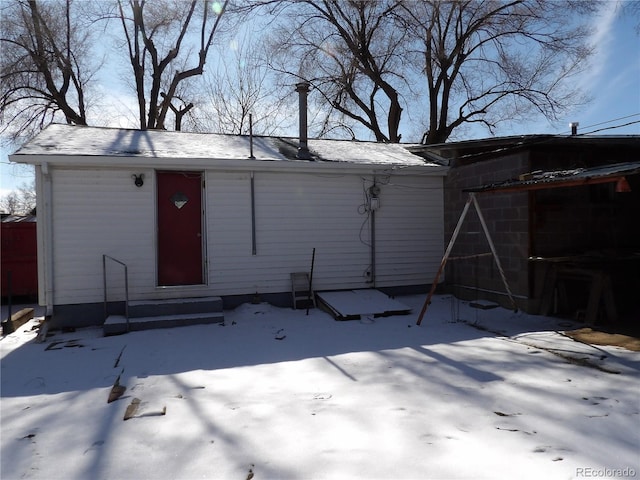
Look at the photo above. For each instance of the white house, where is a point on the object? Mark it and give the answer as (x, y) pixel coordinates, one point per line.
(201, 215)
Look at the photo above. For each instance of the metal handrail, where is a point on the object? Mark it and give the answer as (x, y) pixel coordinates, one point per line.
(126, 286)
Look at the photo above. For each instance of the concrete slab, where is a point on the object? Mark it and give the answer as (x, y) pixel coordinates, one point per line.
(117, 324)
(355, 304)
(483, 304)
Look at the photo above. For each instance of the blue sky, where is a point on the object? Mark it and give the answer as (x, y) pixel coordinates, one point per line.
(612, 80)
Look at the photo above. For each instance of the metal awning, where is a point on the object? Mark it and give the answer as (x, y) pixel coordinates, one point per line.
(562, 178)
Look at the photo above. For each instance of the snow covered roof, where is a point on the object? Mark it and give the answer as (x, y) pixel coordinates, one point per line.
(364, 152)
(74, 141)
(70, 140)
(18, 218)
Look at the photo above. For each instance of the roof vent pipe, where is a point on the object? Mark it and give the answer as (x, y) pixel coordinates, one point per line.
(251, 156)
(303, 147)
(574, 128)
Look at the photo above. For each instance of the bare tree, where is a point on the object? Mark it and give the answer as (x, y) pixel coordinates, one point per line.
(470, 61)
(240, 86)
(490, 61)
(466, 61)
(21, 201)
(10, 203)
(349, 53)
(632, 9)
(159, 38)
(44, 67)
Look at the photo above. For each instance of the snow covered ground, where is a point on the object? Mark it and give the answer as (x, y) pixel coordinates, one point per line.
(276, 394)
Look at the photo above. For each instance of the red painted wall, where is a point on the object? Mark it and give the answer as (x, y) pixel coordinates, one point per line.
(19, 256)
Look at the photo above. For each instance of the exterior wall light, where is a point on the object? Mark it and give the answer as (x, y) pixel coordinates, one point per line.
(138, 179)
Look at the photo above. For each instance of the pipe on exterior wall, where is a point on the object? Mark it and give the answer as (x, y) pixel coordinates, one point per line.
(251, 156)
(254, 248)
(373, 248)
(45, 236)
(372, 213)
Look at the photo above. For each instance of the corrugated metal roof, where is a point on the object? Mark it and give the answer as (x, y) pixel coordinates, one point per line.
(489, 148)
(560, 178)
(544, 138)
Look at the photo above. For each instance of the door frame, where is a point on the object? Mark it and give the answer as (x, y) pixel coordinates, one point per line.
(203, 230)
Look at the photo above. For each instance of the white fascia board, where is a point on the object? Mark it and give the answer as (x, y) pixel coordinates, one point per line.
(123, 162)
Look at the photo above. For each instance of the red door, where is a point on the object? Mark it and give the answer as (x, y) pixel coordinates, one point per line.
(179, 228)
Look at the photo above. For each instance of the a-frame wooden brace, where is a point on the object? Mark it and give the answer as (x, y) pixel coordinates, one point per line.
(471, 199)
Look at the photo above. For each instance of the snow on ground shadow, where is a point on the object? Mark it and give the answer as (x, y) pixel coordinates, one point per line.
(277, 394)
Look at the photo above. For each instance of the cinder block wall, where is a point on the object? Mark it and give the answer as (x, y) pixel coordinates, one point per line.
(507, 218)
(546, 223)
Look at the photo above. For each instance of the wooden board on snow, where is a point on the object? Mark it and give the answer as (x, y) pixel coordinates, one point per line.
(355, 304)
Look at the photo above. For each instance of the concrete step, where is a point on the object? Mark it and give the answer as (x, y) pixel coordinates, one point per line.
(117, 324)
(178, 306)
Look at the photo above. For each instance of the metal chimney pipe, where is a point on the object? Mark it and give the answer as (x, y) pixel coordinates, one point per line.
(303, 147)
(574, 128)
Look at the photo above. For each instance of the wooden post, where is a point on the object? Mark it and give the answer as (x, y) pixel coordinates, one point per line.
(313, 261)
(456, 231)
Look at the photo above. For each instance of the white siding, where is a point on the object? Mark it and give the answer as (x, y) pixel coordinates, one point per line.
(298, 212)
(294, 214)
(100, 211)
(409, 231)
(228, 230)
